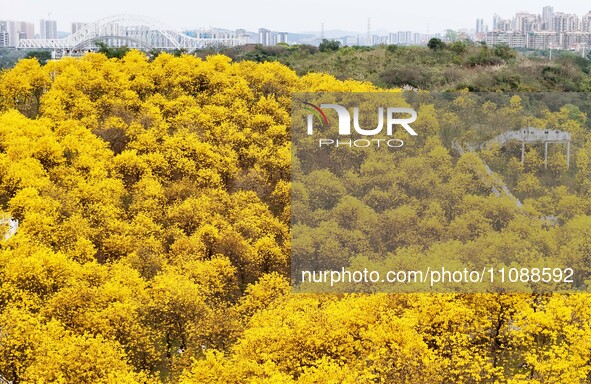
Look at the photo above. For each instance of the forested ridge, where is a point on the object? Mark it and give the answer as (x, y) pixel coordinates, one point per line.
(451, 66)
(153, 198)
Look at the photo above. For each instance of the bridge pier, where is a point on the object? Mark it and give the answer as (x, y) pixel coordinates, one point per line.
(546, 155)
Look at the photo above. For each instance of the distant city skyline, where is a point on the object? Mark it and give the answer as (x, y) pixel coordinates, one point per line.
(301, 16)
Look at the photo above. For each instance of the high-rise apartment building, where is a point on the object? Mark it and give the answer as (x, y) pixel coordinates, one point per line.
(408, 37)
(76, 26)
(264, 37)
(402, 38)
(547, 16)
(527, 22)
(393, 38)
(48, 29)
(586, 22)
(479, 25)
(503, 25)
(281, 37)
(18, 30)
(563, 22)
(496, 19)
(4, 40)
(416, 38)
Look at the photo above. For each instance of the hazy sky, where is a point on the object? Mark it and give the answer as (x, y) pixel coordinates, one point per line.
(292, 16)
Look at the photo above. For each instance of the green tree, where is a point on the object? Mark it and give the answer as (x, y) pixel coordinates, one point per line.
(42, 56)
(435, 44)
(504, 52)
(110, 52)
(329, 45)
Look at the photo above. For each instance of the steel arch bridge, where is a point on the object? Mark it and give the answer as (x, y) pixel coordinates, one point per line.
(134, 32)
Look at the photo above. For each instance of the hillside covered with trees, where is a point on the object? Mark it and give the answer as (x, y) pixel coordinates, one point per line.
(154, 202)
(439, 67)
